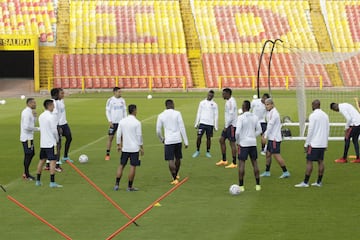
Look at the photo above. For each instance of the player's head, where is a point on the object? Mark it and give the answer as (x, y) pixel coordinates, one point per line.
(169, 104)
(61, 93)
(246, 106)
(315, 104)
(210, 95)
(269, 104)
(49, 105)
(227, 92)
(132, 109)
(334, 107)
(31, 103)
(55, 93)
(264, 97)
(117, 92)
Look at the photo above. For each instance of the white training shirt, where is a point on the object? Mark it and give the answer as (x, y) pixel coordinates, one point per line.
(60, 105)
(350, 113)
(207, 113)
(130, 131)
(27, 125)
(258, 108)
(174, 127)
(247, 128)
(56, 112)
(115, 109)
(318, 129)
(48, 130)
(231, 113)
(273, 130)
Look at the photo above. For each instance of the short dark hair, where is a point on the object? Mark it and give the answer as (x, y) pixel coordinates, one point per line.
(29, 100)
(212, 91)
(247, 105)
(266, 95)
(132, 108)
(47, 103)
(116, 88)
(55, 93)
(169, 103)
(332, 105)
(227, 90)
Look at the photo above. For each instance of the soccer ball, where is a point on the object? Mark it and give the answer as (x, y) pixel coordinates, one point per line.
(149, 96)
(83, 158)
(22, 97)
(234, 189)
(2, 102)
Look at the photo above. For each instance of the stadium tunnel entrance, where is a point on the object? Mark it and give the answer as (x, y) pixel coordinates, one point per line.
(17, 64)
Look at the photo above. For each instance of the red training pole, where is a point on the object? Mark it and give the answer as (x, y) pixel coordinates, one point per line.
(147, 209)
(38, 217)
(101, 191)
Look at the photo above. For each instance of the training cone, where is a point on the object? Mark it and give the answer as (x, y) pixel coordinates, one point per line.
(157, 205)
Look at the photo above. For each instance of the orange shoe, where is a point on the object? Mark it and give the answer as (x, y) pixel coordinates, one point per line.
(107, 157)
(175, 182)
(356, 160)
(341, 160)
(221, 163)
(231, 166)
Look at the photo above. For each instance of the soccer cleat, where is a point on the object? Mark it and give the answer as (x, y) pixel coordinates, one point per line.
(301, 185)
(221, 163)
(231, 165)
(107, 157)
(265, 174)
(263, 153)
(316, 184)
(356, 160)
(47, 168)
(132, 189)
(58, 169)
(196, 154)
(64, 159)
(174, 182)
(116, 187)
(208, 155)
(55, 185)
(29, 178)
(341, 160)
(177, 177)
(38, 183)
(242, 188)
(258, 188)
(285, 175)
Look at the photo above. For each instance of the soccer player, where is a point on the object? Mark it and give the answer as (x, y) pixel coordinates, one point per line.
(229, 130)
(206, 120)
(63, 125)
(27, 128)
(352, 129)
(130, 143)
(258, 108)
(316, 143)
(115, 110)
(273, 137)
(247, 128)
(174, 129)
(49, 137)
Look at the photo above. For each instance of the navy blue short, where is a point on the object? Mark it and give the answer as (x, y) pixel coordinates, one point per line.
(263, 126)
(315, 154)
(65, 130)
(133, 156)
(48, 153)
(229, 133)
(273, 147)
(204, 128)
(112, 130)
(244, 152)
(28, 147)
(173, 151)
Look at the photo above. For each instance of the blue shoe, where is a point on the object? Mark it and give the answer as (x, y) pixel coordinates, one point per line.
(265, 174)
(116, 187)
(285, 175)
(55, 185)
(208, 155)
(38, 183)
(196, 154)
(64, 159)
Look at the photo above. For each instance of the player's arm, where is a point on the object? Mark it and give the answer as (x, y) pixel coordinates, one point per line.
(119, 138)
(108, 112)
(238, 129)
(357, 103)
(197, 119)
(182, 130)
(258, 129)
(140, 139)
(216, 117)
(158, 129)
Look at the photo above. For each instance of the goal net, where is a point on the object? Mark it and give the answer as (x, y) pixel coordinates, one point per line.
(329, 77)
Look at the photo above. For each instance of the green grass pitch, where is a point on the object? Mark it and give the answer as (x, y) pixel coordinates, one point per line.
(201, 208)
